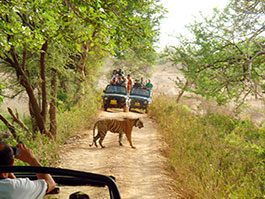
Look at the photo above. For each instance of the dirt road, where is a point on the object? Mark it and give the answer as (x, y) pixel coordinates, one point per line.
(140, 172)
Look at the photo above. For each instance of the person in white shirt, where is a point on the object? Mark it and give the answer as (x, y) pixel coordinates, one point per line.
(18, 188)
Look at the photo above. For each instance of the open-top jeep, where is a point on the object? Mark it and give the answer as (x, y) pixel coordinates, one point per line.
(140, 98)
(115, 96)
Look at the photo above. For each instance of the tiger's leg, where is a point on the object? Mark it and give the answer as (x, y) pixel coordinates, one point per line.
(102, 136)
(96, 138)
(120, 139)
(129, 138)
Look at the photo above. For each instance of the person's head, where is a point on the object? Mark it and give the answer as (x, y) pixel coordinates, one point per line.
(128, 76)
(79, 195)
(6, 154)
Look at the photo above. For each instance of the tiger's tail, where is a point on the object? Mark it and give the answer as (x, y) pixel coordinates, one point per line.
(93, 139)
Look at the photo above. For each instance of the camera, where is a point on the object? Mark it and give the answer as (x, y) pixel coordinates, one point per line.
(15, 150)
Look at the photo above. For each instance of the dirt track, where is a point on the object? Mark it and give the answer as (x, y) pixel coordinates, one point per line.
(141, 172)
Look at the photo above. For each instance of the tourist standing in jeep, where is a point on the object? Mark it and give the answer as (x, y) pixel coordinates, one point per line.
(149, 85)
(129, 83)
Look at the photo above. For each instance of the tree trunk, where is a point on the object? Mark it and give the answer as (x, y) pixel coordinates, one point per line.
(33, 119)
(82, 61)
(81, 65)
(24, 81)
(52, 111)
(35, 107)
(43, 81)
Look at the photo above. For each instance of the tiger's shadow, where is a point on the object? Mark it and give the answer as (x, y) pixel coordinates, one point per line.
(110, 146)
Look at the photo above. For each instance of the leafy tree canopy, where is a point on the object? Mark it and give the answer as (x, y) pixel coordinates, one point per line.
(224, 57)
(43, 42)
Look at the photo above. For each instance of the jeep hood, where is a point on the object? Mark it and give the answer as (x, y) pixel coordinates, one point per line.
(114, 95)
(137, 97)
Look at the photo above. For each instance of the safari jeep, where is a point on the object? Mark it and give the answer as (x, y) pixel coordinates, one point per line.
(140, 98)
(115, 96)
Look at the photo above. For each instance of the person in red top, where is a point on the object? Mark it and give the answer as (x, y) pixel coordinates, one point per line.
(129, 83)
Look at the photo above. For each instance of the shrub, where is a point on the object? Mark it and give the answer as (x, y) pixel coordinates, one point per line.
(212, 156)
(70, 122)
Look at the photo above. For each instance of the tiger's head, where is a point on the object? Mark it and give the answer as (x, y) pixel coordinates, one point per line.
(139, 123)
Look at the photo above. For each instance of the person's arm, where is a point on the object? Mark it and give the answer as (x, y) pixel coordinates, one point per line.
(26, 155)
(11, 175)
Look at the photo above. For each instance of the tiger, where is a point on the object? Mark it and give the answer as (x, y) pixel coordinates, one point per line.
(115, 126)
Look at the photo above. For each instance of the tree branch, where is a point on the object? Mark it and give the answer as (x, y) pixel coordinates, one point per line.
(12, 96)
(10, 127)
(23, 18)
(17, 120)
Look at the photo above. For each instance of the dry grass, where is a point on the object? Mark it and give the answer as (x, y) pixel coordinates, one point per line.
(212, 156)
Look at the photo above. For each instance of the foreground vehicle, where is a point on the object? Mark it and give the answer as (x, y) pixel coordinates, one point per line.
(69, 181)
(140, 98)
(115, 96)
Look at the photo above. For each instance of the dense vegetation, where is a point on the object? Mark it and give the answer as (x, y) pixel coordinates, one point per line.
(70, 123)
(213, 156)
(51, 52)
(222, 59)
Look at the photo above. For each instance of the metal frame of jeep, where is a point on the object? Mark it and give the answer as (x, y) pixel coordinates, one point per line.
(67, 177)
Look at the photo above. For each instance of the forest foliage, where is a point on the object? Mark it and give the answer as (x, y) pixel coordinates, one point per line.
(51, 50)
(222, 57)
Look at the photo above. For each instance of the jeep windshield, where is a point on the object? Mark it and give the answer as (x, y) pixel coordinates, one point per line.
(116, 89)
(141, 92)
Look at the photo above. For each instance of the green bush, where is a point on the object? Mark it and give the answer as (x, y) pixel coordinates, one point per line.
(79, 117)
(70, 123)
(213, 156)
